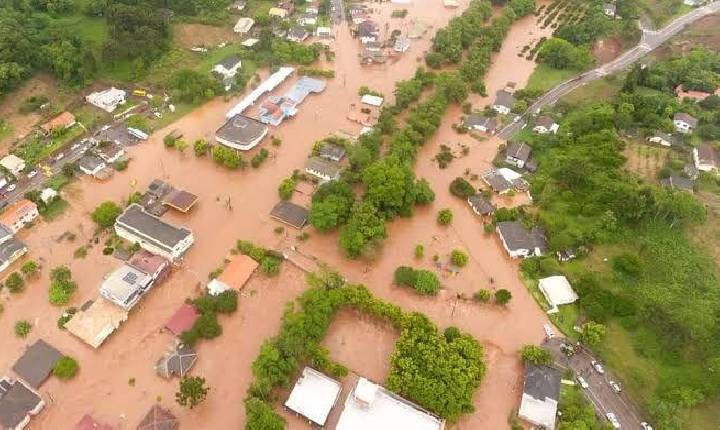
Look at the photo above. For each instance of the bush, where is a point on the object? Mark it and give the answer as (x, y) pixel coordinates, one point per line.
(592, 333)
(445, 217)
(261, 416)
(61, 286)
(489, 228)
(169, 141)
(459, 258)
(201, 147)
(22, 328)
(270, 265)
(482, 296)
(29, 268)
(503, 296)
(426, 282)
(66, 368)
(461, 188)
(286, 188)
(419, 251)
(65, 317)
(192, 392)
(121, 165)
(106, 214)
(259, 158)
(207, 326)
(15, 283)
(404, 276)
(533, 354)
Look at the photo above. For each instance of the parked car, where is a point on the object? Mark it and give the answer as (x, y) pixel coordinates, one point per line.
(31, 174)
(613, 420)
(645, 426)
(615, 386)
(598, 367)
(583, 383)
(74, 146)
(11, 187)
(59, 157)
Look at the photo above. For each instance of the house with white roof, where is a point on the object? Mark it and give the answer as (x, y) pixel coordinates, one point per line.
(541, 394)
(313, 396)
(13, 164)
(557, 291)
(107, 100)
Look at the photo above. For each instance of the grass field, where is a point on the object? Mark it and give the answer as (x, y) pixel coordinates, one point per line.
(598, 90)
(545, 77)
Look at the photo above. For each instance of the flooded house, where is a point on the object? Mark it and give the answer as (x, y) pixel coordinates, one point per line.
(325, 170)
(11, 249)
(541, 394)
(520, 242)
(314, 396)
(91, 165)
(481, 123)
(289, 213)
(96, 321)
(18, 215)
(480, 205)
(518, 154)
(241, 132)
(18, 404)
(504, 102)
(125, 286)
(36, 363)
(332, 152)
(153, 234)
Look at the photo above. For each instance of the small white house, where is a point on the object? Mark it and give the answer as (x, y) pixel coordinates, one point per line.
(13, 164)
(243, 25)
(47, 195)
(684, 123)
(661, 139)
(557, 291)
(107, 100)
(541, 394)
(545, 125)
(325, 170)
(228, 67)
(91, 165)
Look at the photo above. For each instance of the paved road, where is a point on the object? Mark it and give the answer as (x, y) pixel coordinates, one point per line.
(650, 40)
(599, 391)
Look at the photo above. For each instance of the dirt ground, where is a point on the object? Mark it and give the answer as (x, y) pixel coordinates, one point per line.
(22, 124)
(225, 362)
(606, 50)
(189, 35)
(645, 160)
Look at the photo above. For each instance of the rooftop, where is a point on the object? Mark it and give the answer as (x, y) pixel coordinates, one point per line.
(89, 423)
(180, 200)
(154, 229)
(290, 213)
(313, 396)
(542, 382)
(544, 121)
(16, 211)
(177, 362)
(65, 119)
(678, 182)
(9, 248)
(90, 162)
(241, 129)
(230, 61)
(520, 151)
(324, 167)
(687, 118)
(17, 402)
(504, 98)
(333, 152)
(517, 237)
(147, 262)
(237, 272)
(124, 282)
(95, 323)
(497, 182)
(471, 121)
(707, 155)
(479, 204)
(159, 418)
(35, 365)
(557, 290)
(183, 319)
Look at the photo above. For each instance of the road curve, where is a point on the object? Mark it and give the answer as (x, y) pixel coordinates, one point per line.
(649, 41)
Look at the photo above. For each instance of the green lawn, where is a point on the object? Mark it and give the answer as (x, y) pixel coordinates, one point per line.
(598, 90)
(545, 77)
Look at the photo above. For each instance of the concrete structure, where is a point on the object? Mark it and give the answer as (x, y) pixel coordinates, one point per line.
(47, 195)
(497, 182)
(152, 233)
(660, 138)
(234, 275)
(275, 109)
(545, 124)
(243, 25)
(298, 33)
(19, 214)
(13, 164)
(241, 132)
(11, 250)
(36, 363)
(557, 291)
(62, 121)
(323, 169)
(684, 123)
(277, 12)
(481, 123)
(313, 396)
(125, 286)
(152, 265)
(180, 200)
(370, 406)
(504, 102)
(91, 165)
(95, 322)
(110, 152)
(705, 158)
(541, 393)
(18, 404)
(107, 100)
(520, 242)
(609, 9)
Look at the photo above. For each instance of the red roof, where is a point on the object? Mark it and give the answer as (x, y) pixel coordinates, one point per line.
(183, 319)
(88, 423)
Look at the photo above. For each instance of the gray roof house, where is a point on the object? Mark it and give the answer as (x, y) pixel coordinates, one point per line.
(684, 123)
(177, 362)
(152, 233)
(35, 365)
(290, 214)
(518, 154)
(10, 250)
(297, 34)
(480, 206)
(497, 182)
(705, 158)
(504, 102)
(91, 164)
(541, 394)
(323, 169)
(241, 132)
(521, 242)
(18, 403)
(482, 123)
(332, 152)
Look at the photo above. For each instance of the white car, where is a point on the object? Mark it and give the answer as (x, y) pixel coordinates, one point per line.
(646, 426)
(75, 146)
(583, 383)
(32, 174)
(11, 187)
(598, 367)
(59, 157)
(615, 386)
(613, 420)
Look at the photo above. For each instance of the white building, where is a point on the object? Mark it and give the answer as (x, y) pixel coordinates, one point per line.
(684, 123)
(228, 67)
(13, 164)
(107, 100)
(370, 406)
(541, 393)
(153, 234)
(125, 286)
(504, 102)
(313, 396)
(91, 165)
(557, 291)
(325, 170)
(10, 248)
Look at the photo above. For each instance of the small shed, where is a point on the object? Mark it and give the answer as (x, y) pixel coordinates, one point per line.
(159, 418)
(36, 364)
(183, 319)
(290, 214)
(557, 291)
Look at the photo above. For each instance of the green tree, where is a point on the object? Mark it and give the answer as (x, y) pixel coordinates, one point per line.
(364, 226)
(503, 296)
(15, 283)
(404, 276)
(592, 333)
(190, 86)
(227, 157)
(426, 282)
(66, 368)
(22, 328)
(419, 251)
(192, 392)
(561, 54)
(270, 265)
(390, 187)
(534, 354)
(286, 188)
(261, 416)
(30, 269)
(201, 147)
(61, 286)
(461, 188)
(444, 217)
(331, 205)
(459, 258)
(106, 214)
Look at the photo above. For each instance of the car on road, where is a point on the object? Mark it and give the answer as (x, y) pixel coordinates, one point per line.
(583, 383)
(75, 146)
(598, 367)
(31, 174)
(615, 386)
(613, 420)
(59, 157)
(11, 187)
(645, 426)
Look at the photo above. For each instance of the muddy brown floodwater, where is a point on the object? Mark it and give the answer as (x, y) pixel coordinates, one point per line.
(103, 386)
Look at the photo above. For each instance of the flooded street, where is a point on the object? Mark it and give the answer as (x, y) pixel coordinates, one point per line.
(236, 204)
